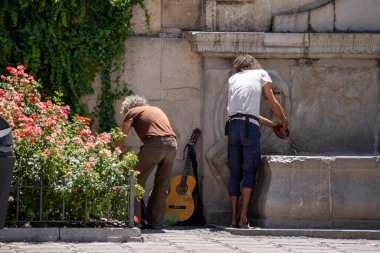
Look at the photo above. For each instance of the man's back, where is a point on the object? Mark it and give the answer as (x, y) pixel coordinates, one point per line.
(149, 121)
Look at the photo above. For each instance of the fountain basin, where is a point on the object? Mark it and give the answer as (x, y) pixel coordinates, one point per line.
(318, 192)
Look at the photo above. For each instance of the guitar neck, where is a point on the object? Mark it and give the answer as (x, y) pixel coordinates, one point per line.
(186, 170)
(190, 151)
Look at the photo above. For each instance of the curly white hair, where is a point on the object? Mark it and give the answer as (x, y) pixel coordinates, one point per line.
(132, 102)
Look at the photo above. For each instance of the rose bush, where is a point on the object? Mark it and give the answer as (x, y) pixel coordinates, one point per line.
(80, 172)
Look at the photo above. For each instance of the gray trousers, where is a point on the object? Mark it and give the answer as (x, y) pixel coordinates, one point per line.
(160, 152)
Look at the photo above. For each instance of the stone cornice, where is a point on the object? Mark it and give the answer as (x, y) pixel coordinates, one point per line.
(286, 45)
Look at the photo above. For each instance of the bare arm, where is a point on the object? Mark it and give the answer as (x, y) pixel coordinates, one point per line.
(125, 129)
(266, 121)
(274, 105)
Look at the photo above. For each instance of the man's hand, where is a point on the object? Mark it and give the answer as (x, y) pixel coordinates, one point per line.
(280, 131)
(285, 123)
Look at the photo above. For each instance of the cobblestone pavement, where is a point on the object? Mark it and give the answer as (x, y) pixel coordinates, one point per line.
(201, 240)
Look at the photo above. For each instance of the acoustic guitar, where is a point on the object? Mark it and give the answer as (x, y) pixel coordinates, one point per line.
(180, 202)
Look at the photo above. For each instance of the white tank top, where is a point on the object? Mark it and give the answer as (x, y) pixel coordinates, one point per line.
(244, 92)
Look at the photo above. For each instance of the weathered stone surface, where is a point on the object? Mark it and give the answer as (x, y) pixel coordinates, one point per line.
(294, 23)
(29, 234)
(238, 15)
(285, 40)
(355, 188)
(183, 14)
(214, 142)
(318, 191)
(142, 71)
(339, 45)
(180, 67)
(234, 17)
(284, 45)
(341, 15)
(322, 19)
(296, 189)
(290, 6)
(328, 107)
(352, 15)
(100, 234)
(171, 33)
(248, 15)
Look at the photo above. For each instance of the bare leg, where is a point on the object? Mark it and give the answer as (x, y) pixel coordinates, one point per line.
(247, 192)
(234, 210)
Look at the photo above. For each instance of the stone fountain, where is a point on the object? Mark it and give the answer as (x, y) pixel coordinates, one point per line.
(323, 56)
(325, 68)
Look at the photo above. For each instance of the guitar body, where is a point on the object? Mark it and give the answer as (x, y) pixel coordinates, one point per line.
(180, 202)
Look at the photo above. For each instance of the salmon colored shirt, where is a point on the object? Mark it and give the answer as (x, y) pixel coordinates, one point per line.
(149, 121)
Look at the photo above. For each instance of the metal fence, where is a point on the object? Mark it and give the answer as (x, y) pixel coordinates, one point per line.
(41, 189)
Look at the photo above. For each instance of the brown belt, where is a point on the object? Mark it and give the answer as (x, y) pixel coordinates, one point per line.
(161, 138)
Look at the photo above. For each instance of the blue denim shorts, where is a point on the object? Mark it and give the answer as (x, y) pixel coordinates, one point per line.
(244, 155)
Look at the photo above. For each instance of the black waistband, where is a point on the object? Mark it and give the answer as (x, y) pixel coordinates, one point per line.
(244, 116)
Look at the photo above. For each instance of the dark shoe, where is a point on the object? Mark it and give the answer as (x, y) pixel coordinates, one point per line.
(155, 226)
(234, 226)
(146, 225)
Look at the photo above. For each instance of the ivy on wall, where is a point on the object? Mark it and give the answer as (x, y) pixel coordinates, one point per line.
(65, 43)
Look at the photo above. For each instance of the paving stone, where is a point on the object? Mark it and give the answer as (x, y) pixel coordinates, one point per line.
(315, 251)
(201, 240)
(254, 250)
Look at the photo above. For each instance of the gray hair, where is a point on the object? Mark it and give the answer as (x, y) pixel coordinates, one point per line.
(132, 102)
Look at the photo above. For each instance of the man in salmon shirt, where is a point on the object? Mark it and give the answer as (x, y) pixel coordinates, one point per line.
(159, 149)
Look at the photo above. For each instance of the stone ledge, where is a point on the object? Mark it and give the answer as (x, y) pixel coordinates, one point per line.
(71, 234)
(29, 234)
(286, 45)
(317, 233)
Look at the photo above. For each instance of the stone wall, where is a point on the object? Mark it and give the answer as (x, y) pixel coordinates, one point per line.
(323, 56)
(331, 16)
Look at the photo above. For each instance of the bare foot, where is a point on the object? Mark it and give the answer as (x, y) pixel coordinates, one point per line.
(243, 222)
(235, 220)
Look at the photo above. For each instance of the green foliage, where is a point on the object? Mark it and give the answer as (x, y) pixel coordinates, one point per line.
(86, 171)
(65, 43)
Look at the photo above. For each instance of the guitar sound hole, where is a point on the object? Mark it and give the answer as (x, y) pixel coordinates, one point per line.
(181, 190)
